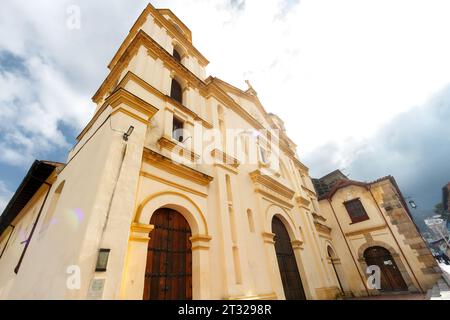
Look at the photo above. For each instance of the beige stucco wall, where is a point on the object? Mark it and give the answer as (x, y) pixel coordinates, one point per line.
(117, 185)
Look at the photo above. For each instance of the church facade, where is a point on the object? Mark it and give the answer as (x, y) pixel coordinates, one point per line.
(182, 186)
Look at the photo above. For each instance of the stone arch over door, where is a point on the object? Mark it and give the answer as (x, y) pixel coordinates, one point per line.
(395, 255)
(297, 246)
(141, 231)
(283, 215)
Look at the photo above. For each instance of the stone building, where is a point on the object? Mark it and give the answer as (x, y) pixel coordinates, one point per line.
(182, 186)
(370, 224)
(446, 197)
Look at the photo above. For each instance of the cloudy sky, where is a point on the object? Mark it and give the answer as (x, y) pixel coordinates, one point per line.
(362, 85)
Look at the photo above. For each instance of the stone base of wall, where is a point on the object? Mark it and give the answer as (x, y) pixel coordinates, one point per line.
(328, 293)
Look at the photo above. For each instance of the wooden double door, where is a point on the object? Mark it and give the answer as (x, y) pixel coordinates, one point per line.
(390, 278)
(290, 276)
(169, 258)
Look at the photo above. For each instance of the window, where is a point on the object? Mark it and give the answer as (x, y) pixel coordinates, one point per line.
(263, 154)
(176, 55)
(176, 92)
(356, 211)
(177, 129)
(49, 217)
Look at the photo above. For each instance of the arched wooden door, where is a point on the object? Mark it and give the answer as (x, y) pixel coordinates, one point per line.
(290, 276)
(391, 279)
(169, 259)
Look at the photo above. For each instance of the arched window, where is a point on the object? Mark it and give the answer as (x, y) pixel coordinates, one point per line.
(48, 220)
(176, 92)
(177, 55)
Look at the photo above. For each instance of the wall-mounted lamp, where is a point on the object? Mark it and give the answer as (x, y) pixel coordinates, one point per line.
(102, 260)
(127, 134)
(412, 204)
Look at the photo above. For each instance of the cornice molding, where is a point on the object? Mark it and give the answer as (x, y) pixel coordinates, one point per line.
(225, 158)
(131, 76)
(156, 51)
(322, 228)
(172, 184)
(317, 216)
(285, 141)
(303, 202)
(259, 178)
(310, 192)
(122, 96)
(242, 94)
(118, 97)
(171, 145)
(177, 21)
(365, 230)
(206, 90)
(272, 190)
(178, 169)
(160, 20)
(274, 198)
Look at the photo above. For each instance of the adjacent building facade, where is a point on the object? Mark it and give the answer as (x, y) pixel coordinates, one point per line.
(371, 225)
(184, 187)
(446, 197)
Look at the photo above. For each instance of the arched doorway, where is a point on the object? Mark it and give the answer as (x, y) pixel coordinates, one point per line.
(336, 268)
(168, 274)
(290, 276)
(391, 279)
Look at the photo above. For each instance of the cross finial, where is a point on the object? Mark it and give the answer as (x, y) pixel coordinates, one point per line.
(250, 88)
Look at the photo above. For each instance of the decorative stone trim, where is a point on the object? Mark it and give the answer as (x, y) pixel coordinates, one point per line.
(268, 237)
(225, 158)
(140, 232)
(123, 96)
(322, 228)
(368, 230)
(172, 184)
(200, 242)
(171, 145)
(178, 169)
(297, 244)
(260, 179)
(303, 202)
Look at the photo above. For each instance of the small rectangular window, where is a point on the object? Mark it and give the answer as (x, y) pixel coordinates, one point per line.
(356, 210)
(263, 154)
(177, 129)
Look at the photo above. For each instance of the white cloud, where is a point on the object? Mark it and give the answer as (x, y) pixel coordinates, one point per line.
(347, 66)
(335, 71)
(32, 105)
(5, 195)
